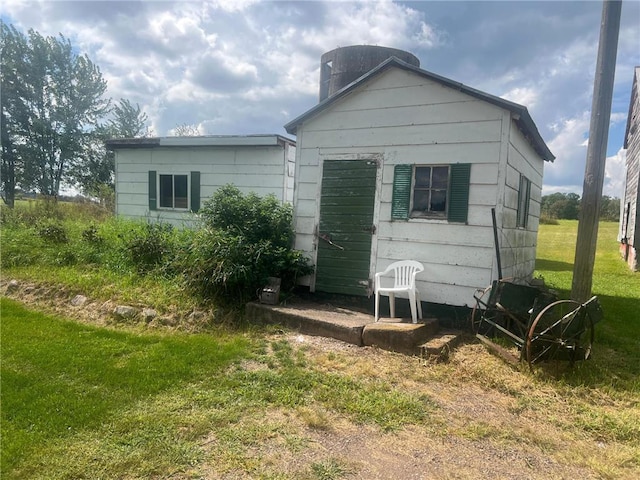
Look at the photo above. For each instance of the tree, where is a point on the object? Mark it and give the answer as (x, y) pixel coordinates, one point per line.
(95, 176)
(610, 209)
(51, 116)
(561, 205)
(14, 120)
(186, 130)
(128, 121)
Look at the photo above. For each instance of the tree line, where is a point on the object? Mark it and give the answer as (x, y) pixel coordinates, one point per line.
(567, 206)
(55, 117)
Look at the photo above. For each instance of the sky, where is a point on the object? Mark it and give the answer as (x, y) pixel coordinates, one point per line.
(237, 67)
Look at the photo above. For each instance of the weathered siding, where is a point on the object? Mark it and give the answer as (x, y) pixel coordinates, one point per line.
(518, 245)
(402, 118)
(263, 170)
(631, 197)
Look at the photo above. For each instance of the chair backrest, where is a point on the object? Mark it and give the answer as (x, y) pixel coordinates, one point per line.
(404, 272)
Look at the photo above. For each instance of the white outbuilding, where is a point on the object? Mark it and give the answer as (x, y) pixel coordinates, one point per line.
(629, 234)
(167, 179)
(406, 164)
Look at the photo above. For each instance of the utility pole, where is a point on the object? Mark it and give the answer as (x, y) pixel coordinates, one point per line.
(596, 151)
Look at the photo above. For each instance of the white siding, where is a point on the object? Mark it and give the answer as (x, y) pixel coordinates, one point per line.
(402, 118)
(631, 197)
(263, 170)
(518, 245)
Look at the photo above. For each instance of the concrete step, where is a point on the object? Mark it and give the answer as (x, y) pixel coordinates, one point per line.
(440, 345)
(313, 319)
(399, 336)
(350, 326)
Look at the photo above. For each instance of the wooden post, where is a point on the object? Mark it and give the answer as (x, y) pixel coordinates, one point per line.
(596, 151)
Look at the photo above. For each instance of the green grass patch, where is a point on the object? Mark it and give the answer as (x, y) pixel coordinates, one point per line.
(84, 402)
(60, 377)
(616, 356)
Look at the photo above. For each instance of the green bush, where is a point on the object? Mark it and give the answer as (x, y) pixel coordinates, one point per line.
(245, 240)
(150, 247)
(53, 232)
(548, 220)
(255, 218)
(21, 246)
(91, 236)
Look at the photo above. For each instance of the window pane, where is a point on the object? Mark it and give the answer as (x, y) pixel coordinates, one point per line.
(423, 176)
(166, 191)
(440, 177)
(421, 200)
(181, 198)
(438, 200)
(523, 203)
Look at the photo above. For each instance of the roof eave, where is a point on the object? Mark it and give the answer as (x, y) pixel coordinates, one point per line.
(259, 140)
(634, 88)
(526, 122)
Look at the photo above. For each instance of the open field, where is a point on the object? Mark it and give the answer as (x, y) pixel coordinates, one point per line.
(85, 400)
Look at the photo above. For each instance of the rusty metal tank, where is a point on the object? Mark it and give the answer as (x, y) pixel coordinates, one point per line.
(343, 65)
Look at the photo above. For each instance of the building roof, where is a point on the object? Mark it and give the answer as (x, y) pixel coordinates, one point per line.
(634, 89)
(520, 113)
(203, 141)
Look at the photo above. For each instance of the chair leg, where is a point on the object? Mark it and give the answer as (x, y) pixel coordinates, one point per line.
(392, 304)
(419, 303)
(377, 315)
(412, 301)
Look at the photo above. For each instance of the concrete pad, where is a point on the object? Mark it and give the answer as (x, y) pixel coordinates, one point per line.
(313, 319)
(440, 345)
(399, 336)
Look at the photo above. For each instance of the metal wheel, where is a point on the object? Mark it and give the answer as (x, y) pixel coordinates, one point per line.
(562, 330)
(482, 312)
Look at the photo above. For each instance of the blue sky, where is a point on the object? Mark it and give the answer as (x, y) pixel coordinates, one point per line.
(245, 66)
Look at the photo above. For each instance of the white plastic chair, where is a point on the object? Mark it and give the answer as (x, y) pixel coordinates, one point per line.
(404, 281)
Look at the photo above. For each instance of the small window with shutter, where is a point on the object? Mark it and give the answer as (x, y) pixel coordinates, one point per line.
(431, 191)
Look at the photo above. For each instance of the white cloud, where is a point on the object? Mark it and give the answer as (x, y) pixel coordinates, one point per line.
(243, 66)
(614, 175)
(232, 6)
(372, 23)
(568, 145)
(526, 96)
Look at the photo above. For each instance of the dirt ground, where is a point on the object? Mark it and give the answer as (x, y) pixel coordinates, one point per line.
(479, 430)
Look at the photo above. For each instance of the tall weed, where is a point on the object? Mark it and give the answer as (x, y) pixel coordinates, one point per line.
(245, 240)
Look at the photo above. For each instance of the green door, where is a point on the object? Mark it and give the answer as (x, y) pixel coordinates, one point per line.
(346, 226)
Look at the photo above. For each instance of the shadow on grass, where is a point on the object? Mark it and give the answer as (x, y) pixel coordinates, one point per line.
(553, 265)
(615, 356)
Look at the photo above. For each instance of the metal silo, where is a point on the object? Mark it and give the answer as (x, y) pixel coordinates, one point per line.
(343, 65)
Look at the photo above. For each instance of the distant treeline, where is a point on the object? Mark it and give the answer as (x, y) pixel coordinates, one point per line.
(566, 206)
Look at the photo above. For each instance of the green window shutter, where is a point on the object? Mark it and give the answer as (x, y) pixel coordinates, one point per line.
(153, 197)
(401, 199)
(195, 191)
(459, 192)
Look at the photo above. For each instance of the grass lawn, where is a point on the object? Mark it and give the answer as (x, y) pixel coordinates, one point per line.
(618, 289)
(80, 401)
(86, 402)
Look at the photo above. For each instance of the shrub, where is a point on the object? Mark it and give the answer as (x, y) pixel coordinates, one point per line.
(255, 218)
(91, 236)
(245, 240)
(150, 247)
(21, 246)
(548, 220)
(53, 232)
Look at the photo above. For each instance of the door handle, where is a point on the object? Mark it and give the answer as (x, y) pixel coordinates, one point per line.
(327, 238)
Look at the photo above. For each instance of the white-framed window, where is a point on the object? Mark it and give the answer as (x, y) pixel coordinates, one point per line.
(430, 191)
(524, 196)
(173, 191)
